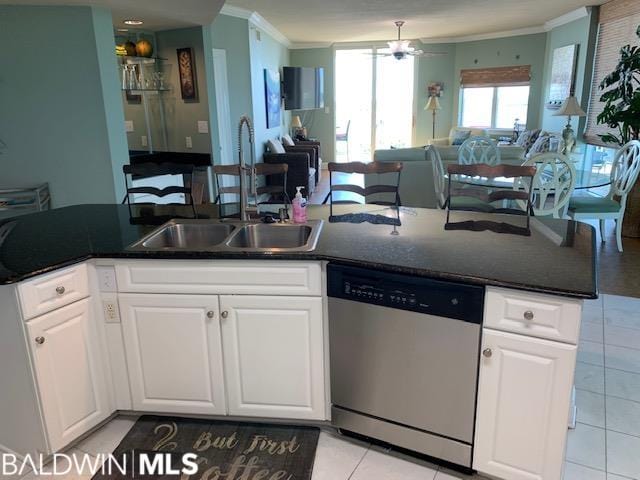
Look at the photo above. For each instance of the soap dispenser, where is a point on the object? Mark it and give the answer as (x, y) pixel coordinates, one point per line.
(299, 207)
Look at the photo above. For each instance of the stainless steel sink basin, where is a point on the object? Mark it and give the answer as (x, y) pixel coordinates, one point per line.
(186, 235)
(215, 236)
(271, 236)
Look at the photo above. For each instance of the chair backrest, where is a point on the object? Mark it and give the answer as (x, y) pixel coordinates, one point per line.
(625, 170)
(439, 178)
(277, 170)
(547, 143)
(366, 169)
(346, 132)
(141, 171)
(476, 150)
(486, 197)
(553, 183)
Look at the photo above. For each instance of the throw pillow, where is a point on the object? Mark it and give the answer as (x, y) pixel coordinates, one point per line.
(460, 137)
(287, 140)
(532, 139)
(275, 146)
(523, 138)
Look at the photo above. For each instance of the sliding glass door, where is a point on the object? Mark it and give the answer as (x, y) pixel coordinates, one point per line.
(374, 103)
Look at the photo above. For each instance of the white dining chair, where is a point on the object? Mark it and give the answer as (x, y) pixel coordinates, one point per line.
(476, 150)
(624, 173)
(439, 179)
(553, 184)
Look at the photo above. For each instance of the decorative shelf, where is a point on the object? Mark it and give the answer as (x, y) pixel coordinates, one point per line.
(136, 59)
(135, 91)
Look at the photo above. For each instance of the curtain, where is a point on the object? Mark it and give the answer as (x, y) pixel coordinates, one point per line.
(496, 77)
(618, 22)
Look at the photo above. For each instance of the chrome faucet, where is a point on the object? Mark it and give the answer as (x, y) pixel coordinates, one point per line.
(245, 208)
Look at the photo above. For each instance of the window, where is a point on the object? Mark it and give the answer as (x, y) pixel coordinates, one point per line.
(494, 107)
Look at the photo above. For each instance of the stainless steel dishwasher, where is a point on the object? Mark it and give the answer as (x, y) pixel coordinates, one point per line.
(404, 359)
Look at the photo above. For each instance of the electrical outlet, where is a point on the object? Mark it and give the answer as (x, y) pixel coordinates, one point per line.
(188, 142)
(128, 125)
(111, 310)
(143, 141)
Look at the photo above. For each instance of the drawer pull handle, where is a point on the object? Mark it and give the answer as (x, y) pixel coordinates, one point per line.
(39, 340)
(224, 314)
(60, 290)
(528, 315)
(487, 352)
(210, 314)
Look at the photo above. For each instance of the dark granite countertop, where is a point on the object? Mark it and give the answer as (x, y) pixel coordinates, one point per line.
(558, 257)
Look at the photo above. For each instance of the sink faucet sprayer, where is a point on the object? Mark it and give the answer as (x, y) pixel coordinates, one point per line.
(244, 200)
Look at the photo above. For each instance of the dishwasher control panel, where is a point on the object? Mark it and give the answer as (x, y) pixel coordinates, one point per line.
(406, 292)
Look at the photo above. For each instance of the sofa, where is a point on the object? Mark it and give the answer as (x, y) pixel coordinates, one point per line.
(416, 180)
(300, 159)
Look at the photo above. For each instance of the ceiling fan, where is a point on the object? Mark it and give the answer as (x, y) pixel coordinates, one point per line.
(401, 49)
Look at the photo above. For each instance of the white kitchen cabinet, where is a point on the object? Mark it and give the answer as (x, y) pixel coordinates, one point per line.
(69, 370)
(523, 406)
(174, 352)
(274, 356)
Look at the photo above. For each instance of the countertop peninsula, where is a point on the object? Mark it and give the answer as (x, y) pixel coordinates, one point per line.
(557, 258)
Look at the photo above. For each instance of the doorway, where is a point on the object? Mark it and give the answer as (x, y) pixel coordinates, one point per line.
(374, 102)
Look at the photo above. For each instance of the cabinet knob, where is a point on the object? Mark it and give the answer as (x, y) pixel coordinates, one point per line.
(39, 340)
(60, 290)
(224, 314)
(210, 314)
(528, 315)
(487, 352)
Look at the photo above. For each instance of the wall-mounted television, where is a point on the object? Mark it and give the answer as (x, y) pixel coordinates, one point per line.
(303, 88)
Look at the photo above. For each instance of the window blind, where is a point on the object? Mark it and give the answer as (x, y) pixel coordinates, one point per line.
(618, 22)
(496, 77)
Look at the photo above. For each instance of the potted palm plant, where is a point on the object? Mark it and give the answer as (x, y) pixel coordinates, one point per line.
(621, 96)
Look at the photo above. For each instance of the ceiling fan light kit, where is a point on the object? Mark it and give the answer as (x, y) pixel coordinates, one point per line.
(400, 49)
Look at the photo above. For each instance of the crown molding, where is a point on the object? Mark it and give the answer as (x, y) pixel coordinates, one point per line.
(303, 45)
(486, 36)
(263, 24)
(237, 12)
(569, 17)
(257, 21)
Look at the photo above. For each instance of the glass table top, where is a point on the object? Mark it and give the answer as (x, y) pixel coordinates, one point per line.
(584, 179)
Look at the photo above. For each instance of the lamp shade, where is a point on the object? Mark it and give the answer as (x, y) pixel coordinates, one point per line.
(433, 104)
(570, 108)
(295, 122)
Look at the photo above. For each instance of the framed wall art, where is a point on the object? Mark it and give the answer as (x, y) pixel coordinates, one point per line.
(187, 74)
(563, 75)
(272, 97)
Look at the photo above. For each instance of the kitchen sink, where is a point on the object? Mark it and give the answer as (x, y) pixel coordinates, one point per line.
(187, 235)
(271, 236)
(216, 236)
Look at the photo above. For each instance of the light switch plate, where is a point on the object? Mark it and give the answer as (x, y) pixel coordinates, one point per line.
(203, 126)
(128, 125)
(143, 140)
(188, 142)
(107, 279)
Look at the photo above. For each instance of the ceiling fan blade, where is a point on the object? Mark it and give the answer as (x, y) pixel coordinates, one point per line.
(420, 53)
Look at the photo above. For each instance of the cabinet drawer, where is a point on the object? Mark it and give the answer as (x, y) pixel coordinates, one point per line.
(54, 290)
(224, 276)
(535, 315)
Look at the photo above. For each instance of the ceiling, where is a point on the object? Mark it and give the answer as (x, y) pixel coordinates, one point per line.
(368, 20)
(156, 14)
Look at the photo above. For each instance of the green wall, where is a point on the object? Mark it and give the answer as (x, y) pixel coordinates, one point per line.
(577, 32)
(320, 123)
(266, 53)
(61, 115)
(430, 70)
(230, 34)
(503, 52)
(182, 116)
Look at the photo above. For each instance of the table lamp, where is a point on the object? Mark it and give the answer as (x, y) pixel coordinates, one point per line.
(296, 125)
(569, 108)
(433, 104)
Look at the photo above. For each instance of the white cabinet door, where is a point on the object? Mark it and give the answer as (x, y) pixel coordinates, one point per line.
(524, 393)
(69, 372)
(174, 354)
(273, 356)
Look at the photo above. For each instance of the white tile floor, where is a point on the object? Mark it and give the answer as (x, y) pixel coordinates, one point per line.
(604, 446)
